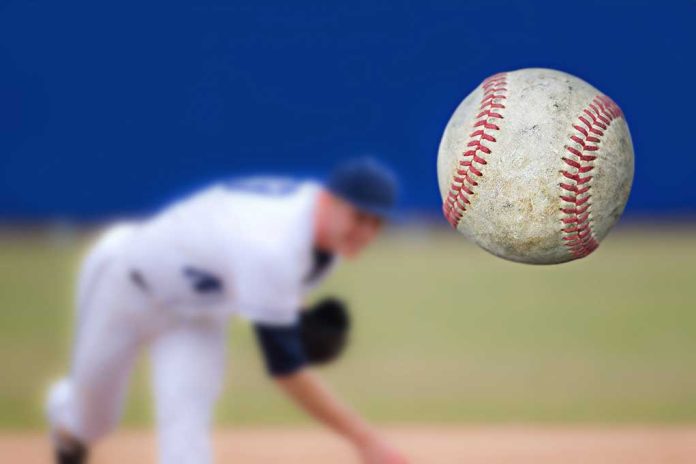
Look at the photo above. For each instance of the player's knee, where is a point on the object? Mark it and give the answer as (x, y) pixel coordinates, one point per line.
(70, 416)
(87, 414)
(59, 403)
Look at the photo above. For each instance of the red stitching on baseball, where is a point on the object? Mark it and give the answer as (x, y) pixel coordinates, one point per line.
(471, 161)
(577, 223)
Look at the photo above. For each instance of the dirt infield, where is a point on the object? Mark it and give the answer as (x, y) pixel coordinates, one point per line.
(431, 445)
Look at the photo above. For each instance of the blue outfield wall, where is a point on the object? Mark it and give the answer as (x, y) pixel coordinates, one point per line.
(112, 109)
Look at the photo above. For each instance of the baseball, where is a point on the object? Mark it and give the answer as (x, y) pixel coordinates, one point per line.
(535, 166)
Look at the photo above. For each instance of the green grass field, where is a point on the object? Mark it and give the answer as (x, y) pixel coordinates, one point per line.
(444, 333)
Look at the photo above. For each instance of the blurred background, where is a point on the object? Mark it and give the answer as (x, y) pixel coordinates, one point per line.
(112, 110)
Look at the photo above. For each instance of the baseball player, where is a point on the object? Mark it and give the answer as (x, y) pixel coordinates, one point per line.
(171, 283)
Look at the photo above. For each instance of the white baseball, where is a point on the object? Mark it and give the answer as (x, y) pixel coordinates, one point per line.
(535, 166)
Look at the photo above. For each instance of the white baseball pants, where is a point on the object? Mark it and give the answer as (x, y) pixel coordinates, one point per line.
(115, 321)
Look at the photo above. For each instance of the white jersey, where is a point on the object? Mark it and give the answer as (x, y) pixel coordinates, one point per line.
(242, 247)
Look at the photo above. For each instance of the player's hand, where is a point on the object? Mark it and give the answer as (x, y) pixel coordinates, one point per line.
(378, 451)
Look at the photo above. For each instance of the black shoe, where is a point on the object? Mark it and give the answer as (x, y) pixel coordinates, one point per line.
(74, 454)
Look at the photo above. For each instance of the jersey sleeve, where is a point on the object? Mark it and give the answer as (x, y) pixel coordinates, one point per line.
(282, 348)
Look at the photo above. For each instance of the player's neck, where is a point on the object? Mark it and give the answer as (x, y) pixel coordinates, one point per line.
(321, 216)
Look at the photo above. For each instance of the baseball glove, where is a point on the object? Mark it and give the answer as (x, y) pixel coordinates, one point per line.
(324, 330)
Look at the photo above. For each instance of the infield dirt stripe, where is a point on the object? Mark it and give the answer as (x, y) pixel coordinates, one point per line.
(424, 444)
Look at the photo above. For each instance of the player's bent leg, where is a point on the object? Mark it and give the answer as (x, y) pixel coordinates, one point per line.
(86, 405)
(67, 448)
(188, 365)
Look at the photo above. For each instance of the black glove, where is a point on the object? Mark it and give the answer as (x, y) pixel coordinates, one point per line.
(324, 330)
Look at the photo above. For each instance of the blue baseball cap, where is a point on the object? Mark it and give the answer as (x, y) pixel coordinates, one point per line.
(367, 184)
